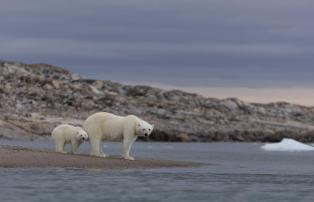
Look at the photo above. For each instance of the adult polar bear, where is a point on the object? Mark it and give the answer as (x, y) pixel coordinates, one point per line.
(106, 126)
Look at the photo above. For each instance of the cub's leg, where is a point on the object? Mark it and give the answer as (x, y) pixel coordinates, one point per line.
(74, 146)
(60, 146)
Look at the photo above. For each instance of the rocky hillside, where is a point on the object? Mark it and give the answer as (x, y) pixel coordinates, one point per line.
(35, 98)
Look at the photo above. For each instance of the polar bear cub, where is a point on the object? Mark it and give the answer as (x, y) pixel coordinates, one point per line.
(65, 133)
(106, 126)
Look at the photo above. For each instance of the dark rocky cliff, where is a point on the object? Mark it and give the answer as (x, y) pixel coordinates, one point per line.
(35, 98)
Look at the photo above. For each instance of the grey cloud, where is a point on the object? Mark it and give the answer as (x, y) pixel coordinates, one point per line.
(205, 43)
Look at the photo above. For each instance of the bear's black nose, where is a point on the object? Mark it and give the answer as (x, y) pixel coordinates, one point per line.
(146, 134)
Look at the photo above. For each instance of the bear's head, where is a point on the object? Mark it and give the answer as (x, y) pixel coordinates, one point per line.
(82, 135)
(144, 129)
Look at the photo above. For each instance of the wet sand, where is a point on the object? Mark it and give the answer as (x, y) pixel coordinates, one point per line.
(18, 157)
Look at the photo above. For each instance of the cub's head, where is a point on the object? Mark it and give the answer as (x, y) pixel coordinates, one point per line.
(144, 129)
(81, 135)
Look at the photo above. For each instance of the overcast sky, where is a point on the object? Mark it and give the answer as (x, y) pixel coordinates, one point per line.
(198, 43)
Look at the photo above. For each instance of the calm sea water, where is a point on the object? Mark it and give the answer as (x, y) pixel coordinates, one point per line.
(235, 172)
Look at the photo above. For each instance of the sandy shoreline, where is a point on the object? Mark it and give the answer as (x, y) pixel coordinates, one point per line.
(15, 157)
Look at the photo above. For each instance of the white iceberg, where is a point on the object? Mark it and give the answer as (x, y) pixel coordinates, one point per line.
(286, 144)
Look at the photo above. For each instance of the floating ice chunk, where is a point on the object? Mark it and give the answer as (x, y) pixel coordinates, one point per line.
(286, 144)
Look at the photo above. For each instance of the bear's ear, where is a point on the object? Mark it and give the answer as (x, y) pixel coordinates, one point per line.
(153, 126)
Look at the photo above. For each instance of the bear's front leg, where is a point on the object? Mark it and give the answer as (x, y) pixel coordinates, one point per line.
(127, 144)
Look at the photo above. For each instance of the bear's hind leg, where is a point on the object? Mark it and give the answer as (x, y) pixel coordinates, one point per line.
(95, 145)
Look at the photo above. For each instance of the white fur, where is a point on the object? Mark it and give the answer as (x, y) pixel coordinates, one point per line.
(106, 126)
(64, 134)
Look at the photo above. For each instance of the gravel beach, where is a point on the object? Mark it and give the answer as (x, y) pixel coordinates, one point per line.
(14, 157)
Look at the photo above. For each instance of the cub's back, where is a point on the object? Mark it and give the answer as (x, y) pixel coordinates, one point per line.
(64, 130)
